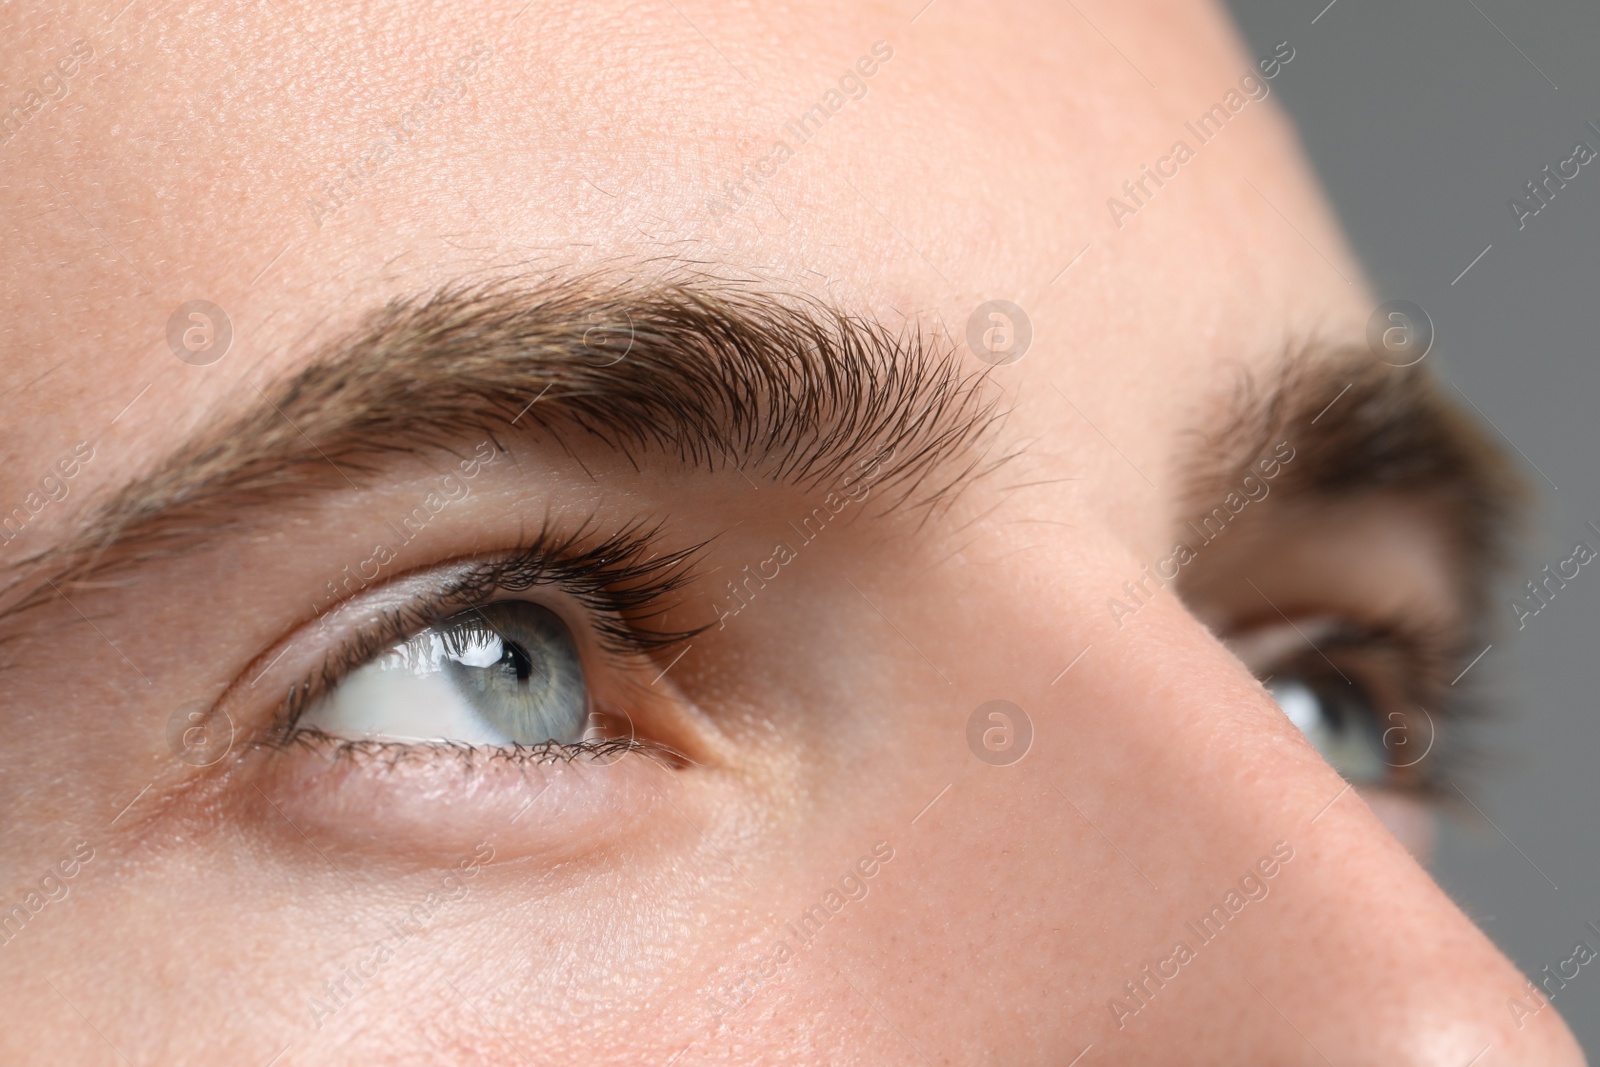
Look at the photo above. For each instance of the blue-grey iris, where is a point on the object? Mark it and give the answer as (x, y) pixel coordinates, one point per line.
(516, 665)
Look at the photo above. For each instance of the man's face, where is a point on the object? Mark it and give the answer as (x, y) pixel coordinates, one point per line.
(699, 535)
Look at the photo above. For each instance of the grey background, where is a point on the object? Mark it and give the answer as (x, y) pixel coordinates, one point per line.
(1423, 119)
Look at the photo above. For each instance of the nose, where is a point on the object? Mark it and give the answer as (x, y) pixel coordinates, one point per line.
(1285, 911)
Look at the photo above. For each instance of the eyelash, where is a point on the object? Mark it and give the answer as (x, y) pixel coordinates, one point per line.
(622, 581)
(388, 754)
(1423, 655)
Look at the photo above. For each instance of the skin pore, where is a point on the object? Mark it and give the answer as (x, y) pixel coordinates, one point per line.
(512, 319)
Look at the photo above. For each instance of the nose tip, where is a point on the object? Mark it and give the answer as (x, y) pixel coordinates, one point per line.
(1547, 1041)
(1321, 939)
(1506, 1037)
(1409, 982)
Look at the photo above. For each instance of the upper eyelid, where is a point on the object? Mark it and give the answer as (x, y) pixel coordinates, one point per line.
(617, 577)
(1425, 652)
(1427, 646)
(1448, 760)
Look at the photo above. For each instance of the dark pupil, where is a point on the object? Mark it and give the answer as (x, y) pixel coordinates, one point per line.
(514, 660)
(517, 665)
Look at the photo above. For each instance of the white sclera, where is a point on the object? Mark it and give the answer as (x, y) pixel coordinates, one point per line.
(418, 691)
(405, 695)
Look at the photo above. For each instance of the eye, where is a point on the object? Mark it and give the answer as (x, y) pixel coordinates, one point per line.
(521, 696)
(544, 651)
(1358, 695)
(507, 673)
(1341, 723)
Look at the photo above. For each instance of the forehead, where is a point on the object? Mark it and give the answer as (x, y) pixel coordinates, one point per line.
(297, 164)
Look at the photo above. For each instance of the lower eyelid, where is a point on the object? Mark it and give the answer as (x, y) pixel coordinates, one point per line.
(417, 801)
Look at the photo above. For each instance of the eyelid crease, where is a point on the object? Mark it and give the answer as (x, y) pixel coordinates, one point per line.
(1428, 649)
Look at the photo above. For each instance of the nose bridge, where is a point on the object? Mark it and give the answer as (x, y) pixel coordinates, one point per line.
(1286, 910)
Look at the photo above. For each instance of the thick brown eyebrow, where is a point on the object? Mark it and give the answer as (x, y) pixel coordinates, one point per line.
(784, 388)
(1360, 426)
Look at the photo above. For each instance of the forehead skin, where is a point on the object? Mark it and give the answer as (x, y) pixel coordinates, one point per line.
(181, 163)
(978, 165)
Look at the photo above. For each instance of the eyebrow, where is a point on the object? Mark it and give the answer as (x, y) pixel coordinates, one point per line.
(1361, 427)
(784, 388)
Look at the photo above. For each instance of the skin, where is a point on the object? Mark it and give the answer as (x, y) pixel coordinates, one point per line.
(220, 900)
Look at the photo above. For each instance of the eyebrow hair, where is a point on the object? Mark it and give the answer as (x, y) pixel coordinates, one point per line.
(717, 375)
(713, 374)
(1362, 427)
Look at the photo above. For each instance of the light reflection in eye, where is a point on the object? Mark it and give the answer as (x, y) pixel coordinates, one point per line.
(506, 673)
(1340, 722)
